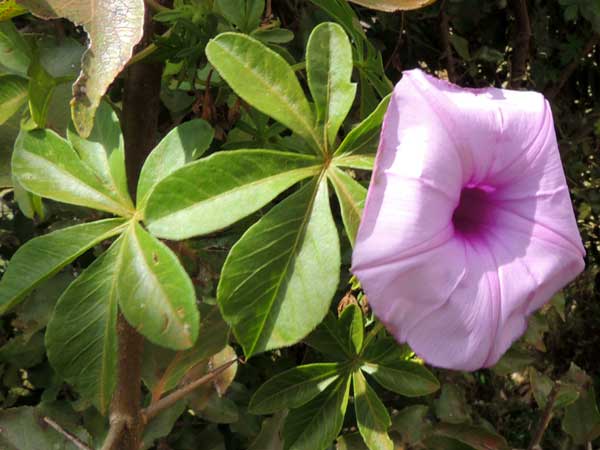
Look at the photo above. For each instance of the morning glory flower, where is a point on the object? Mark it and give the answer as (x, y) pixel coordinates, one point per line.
(468, 226)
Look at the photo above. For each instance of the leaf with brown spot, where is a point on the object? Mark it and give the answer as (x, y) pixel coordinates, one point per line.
(114, 27)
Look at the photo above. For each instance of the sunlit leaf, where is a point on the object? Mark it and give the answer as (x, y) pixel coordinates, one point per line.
(10, 9)
(279, 278)
(371, 416)
(13, 95)
(351, 196)
(114, 27)
(43, 256)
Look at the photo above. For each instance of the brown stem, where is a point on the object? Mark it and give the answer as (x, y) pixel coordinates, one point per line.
(154, 409)
(139, 122)
(520, 55)
(545, 420)
(570, 69)
(444, 24)
(71, 437)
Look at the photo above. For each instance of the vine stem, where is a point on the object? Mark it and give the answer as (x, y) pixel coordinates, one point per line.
(166, 402)
(69, 436)
(518, 72)
(545, 420)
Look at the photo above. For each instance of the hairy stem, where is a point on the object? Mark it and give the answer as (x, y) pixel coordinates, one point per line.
(139, 122)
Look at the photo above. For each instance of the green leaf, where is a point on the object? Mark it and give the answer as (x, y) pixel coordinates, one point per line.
(279, 278)
(161, 425)
(362, 162)
(330, 339)
(371, 416)
(23, 428)
(404, 377)
(410, 423)
(364, 138)
(15, 54)
(294, 387)
(217, 191)
(81, 338)
(183, 144)
(352, 196)
(41, 88)
(47, 165)
(155, 293)
(316, 424)
(8, 134)
(582, 419)
(265, 80)
(476, 438)
(352, 441)
(351, 324)
(329, 69)
(244, 14)
(114, 28)
(103, 151)
(42, 257)
(451, 406)
(270, 436)
(13, 95)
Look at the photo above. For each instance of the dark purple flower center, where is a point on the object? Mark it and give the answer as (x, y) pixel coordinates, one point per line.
(474, 210)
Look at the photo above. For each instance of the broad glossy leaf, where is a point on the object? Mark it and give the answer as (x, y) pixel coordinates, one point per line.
(103, 151)
(329, 69)
(352, 196)
(265, 80)
(114, 27)
(183, 144)
(404, 377)
(364, 137)
(371, 416)
(15, 54)
(294, 387)
(13, 95)
(81, 337)
(155, 293)
(278, 280)
(47, 165)
(43, 256)
(393, 5)
(477, 438)
(315, 425)
(217, 191)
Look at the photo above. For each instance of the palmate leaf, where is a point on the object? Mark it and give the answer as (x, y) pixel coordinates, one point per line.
(315, 425)
(155, 293)
(42, 257)
(352, 196)
(404, 377)
(265, 80)
(217, 191)
(329, 69)
(295, 387)
(371, 416)
(47, 165)
(279, 278)
(81, 339)
(114, 27)
(181, 145)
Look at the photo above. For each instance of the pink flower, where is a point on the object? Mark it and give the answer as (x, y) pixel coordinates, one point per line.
(468, 226)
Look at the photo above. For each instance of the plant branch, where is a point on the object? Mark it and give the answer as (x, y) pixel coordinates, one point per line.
(545, 420)
(521, 44)
(570, 69)
(156, 6)
(444, 24)
(117, 427)
(71, 437)
(154, 409)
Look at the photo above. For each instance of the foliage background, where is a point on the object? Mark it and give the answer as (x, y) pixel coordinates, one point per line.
(468, 41)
